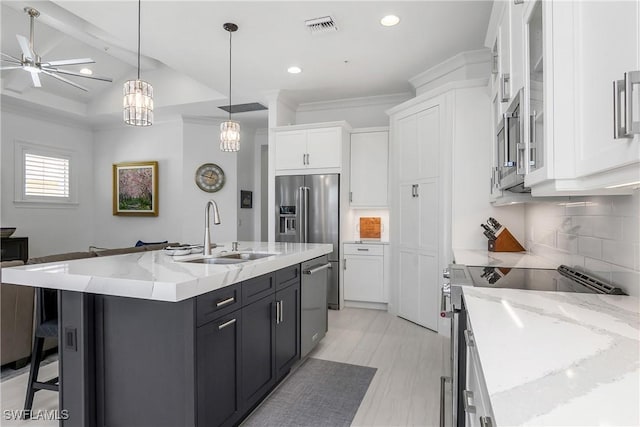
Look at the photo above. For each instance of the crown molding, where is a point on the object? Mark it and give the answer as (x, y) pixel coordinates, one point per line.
(36, 111)
(462, 60)
(394, 98)
(461, 84)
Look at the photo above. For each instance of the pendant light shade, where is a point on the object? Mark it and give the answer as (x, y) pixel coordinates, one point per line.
(230, 130)
(230, 136)
(137, 103)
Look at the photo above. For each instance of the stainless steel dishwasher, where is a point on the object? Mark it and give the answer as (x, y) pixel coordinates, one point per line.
(313, 319)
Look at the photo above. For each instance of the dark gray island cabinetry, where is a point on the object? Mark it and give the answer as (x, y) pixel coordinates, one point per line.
(204, 361)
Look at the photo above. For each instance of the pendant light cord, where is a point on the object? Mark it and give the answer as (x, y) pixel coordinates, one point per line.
(139, 7)
(230, 34)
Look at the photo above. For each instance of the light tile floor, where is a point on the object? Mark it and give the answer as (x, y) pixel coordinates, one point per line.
(404, 391)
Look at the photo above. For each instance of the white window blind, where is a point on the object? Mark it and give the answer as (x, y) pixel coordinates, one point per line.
(46, 176)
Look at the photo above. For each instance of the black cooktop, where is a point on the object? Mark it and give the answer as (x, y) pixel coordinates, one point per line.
(564, 279)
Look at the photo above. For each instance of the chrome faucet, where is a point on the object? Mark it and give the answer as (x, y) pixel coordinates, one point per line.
(207, 232)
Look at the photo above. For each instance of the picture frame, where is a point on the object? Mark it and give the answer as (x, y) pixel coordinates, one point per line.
(246, 199)
(135, 188)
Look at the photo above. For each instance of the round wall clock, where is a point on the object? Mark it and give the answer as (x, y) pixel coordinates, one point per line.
(209, 177)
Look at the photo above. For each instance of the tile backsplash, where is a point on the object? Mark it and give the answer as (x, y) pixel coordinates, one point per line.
(598, 234)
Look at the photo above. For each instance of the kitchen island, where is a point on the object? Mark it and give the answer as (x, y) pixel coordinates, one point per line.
(147, 339)
(555, 358)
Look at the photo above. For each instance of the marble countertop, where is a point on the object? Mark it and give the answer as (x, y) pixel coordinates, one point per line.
(157, 276)
(479, 257)
(556, 358)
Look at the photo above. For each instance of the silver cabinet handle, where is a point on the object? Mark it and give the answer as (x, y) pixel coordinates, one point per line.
(619, 123)
(345, 264)
(520, 163)
(494, 64)
(417, 190)
(486, 422)
(363, 249)
(443, 381)
(468, 338)
(318, 268)
(351, 196)
(281, 311)
(504, 81)
(413, 190)
(225, 302)
(507, 162)
(631, 79)
(532, 138)
(467, 400)
(225, 324)
(277, 312)
(445, 293)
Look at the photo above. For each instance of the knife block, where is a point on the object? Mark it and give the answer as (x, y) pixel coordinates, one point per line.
(505, 242)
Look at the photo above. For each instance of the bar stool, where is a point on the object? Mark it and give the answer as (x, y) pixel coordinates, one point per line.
(46, 327)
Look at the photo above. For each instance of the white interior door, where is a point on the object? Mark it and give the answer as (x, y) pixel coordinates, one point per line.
(409, 286)
(428, 133)
(407, 145)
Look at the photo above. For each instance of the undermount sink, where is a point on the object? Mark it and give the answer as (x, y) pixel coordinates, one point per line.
(245, 256)
(235, 258)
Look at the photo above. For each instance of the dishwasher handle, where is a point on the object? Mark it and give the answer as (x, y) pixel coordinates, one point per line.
(317, 268)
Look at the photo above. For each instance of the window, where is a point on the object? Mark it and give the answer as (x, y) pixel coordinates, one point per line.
(44, 175)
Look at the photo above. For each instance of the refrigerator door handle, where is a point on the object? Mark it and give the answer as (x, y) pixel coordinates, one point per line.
(303, 200)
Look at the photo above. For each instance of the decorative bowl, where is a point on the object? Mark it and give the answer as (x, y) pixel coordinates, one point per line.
(7, 231)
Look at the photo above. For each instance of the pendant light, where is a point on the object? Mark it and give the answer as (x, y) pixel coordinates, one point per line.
(138, 95)
(230, 130)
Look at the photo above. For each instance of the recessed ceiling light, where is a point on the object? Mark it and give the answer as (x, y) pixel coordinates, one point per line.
(390, 20)
(294, 70)
(86, 71)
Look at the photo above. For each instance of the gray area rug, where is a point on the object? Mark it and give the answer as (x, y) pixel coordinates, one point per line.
(318, 393)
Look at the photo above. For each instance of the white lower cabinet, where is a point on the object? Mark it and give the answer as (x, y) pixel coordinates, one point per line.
(364, 273)
(476, 403)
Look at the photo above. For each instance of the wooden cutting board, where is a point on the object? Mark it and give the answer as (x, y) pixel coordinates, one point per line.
(370, 227)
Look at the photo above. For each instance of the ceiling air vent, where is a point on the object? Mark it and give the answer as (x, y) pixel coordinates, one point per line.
(244, 108)
(326, 24)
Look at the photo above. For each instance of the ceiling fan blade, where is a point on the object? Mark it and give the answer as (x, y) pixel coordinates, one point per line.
(24, 45)
(10, 58)
(72, 73)
(12, 67)
(70, 62)
(36, 79)
(55, 76)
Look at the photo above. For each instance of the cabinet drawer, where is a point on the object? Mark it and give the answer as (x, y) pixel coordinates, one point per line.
(217, 303)
(287, 276)
(258, 287)
(363, 249)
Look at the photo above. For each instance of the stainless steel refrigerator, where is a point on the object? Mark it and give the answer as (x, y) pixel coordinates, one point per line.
(308, 211)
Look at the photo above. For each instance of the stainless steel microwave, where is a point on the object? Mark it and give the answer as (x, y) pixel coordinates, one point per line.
(511, 148)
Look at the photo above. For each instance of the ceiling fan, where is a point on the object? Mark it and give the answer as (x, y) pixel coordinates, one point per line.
(33, 63)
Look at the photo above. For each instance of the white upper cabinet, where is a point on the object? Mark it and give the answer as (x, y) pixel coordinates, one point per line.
(369, 168)
(572, 53)
(609, 46)
(291, 149)
(309, 148)
(324, 148)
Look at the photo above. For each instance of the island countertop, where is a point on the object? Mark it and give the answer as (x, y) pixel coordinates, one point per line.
(154, 275)
(556, 358)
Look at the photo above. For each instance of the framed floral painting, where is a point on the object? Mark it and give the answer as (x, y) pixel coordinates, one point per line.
(135, 189)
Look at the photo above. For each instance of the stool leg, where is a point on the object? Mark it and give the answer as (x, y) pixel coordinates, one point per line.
(36, 358)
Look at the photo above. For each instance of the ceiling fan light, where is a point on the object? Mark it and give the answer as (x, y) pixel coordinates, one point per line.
(230, 136)
(138, 103)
